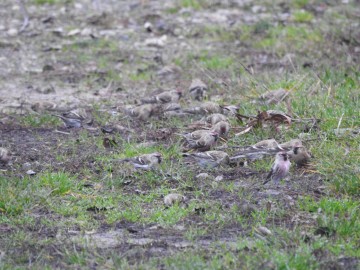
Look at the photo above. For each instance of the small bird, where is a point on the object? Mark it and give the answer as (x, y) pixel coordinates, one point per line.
(204, 108)
(299, 155)
(198, 89)
(195, 135)
(279, 169)
(265, 144)
(4, 155)
(222, 128)
(210, 159)
(70, 122)
(230, 110)
(174, 198)
(290, 144)
(215, 118)
(205, 142)
(144, 112)
(145, 161)
(172, 96)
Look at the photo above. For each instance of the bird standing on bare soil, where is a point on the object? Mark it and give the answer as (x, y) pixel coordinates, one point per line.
(4, 155)
(279, 169)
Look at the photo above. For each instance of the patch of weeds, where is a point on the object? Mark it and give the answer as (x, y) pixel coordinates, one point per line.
(302, 16)
(338, 215)
(283, 37)
(300, 3)
(40, 120)
(172, 10)
(140, 76)
(194, 4)
(43, 2)
(215, 61)
(60, 183)
(169, 216)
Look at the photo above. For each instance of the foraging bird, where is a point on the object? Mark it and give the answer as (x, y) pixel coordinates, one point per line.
(195, 135)
(174, 198)
(198, 89)
(265, 144)
(205, 108)
(210, 159)
(144, 112)
(205, 142)
(279, 169)
(230, 110)
(222, 128)
(172, 96)
(70, 122)
(215, 118)
(299, 155)
(291, 144)
(4, 155)
(145, 161)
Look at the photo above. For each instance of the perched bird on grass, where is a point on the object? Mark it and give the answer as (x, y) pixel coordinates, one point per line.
(279, 169)
(70, 122)
(146, 161)
(209, 159)
(205, 142)
(172, 96)
(299, 155)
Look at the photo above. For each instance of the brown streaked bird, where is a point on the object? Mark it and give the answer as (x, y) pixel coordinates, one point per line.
(300, 156)
(222, 128)
(70, 122)
(210, 159)
(172, 96)
(145, 161)
(215, 118)
(205, 142)
(290, 144)
(4, 155)
(230, 110)
(279, 169)
(144, 112)
(195, 135)
(265, 144)
(198, 89)
(204, 108)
